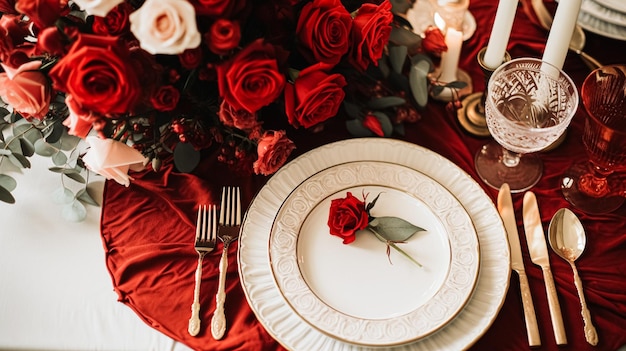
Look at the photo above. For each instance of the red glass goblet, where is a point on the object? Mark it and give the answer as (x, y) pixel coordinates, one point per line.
(594, 186)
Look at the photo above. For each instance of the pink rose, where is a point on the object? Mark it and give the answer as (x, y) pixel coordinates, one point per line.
(165, 26)
(79, 121)
(314, 97)
(26, 89)
(371, 29)
(273, 150)
(113, 159)
(240, 119)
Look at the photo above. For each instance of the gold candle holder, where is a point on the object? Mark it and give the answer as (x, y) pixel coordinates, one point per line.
(471, 115)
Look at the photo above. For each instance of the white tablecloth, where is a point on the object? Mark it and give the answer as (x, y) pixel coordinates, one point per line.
(55, 291)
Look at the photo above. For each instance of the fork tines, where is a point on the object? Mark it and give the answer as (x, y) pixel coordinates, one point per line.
(230, 215)
(206, 225)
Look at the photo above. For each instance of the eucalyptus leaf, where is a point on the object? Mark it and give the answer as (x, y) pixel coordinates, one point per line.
(62, 196)
(19, 160)
(5, 152)
(13, 143)
(74, 211)
(84, 196)
(28, 149)
(8, 182)
(385, 102)
(397, 57)
(76, 177)
(6, 196)
(457, 84)
(394, 229)
(186, 157)
(418, 80)
(352, 110)
(59, 158)
(404, 36)
(356, 128)
(45, 149)
(54, 133)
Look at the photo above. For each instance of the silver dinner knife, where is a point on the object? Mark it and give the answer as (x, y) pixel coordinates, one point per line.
(505, 208)
(539, 255)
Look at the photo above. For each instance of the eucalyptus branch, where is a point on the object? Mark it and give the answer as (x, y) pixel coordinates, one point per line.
(393, 245)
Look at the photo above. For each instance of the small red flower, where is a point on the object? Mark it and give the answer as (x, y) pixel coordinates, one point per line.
(346, 217)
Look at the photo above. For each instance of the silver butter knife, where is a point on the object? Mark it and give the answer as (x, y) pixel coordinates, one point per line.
(505, 208)
(539, 255)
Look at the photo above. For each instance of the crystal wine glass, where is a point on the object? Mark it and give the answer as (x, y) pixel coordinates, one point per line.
(529, 105)
(594, 186)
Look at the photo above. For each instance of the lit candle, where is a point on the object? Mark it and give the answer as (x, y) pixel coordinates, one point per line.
(500, 32)
(561, 32)
(450, 58)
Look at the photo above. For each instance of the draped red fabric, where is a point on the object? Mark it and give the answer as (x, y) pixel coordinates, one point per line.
(148, 228)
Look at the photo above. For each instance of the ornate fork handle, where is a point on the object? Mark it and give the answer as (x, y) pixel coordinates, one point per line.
(194, 321)
(218, 322)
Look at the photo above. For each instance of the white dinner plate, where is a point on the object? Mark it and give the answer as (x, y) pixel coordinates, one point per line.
(604, 28)
(290, 329)
(617, 5)
(603, 13)
(353, 292)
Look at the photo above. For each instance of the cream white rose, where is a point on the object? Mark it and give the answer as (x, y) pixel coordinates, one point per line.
(165, 26)
(113, 159)
(97, 7)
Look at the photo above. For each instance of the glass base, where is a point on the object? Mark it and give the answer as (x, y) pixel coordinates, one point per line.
(582, 201)
(491, 169)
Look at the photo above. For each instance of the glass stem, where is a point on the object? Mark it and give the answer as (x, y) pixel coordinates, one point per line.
(509, 158)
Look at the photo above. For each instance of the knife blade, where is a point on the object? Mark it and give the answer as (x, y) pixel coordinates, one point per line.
(539, 255)
(505, 208)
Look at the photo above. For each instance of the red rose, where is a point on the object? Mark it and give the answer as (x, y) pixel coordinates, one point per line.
(97, 73)
(165, 98)
(191, 58)
(251, 79)
(51, 41)
(324, 31)
(273, 150)
(8, 7)
(218, 8)
(115, 22)
(346, 217)
(434, 41)
(314, 97)
(42, 12)
(240, 119)
(223, 36)
(370, 33)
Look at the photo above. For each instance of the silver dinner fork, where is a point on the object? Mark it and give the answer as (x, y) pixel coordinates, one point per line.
(206, 234)
(230, 222)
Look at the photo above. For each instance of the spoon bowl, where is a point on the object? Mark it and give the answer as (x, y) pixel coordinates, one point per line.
(567, 239)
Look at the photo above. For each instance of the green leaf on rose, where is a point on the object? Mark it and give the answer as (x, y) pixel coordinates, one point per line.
(394, 229)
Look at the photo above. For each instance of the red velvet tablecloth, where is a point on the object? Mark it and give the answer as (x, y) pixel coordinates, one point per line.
(148, 228)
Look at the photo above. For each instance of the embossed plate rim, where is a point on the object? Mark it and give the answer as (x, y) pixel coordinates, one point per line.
(449, 297)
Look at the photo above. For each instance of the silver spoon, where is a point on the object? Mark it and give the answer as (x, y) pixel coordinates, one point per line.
(567, 238)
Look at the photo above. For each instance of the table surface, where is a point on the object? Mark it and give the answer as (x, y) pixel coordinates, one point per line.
(151, 261)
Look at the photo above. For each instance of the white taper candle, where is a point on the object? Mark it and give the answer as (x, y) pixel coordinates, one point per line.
(561, 32)
(500, 33)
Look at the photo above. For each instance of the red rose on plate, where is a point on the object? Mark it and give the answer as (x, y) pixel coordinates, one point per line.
(314, 97)
(251, 79)
(346, 217)
(97, 73)
(370, 32)
(324, 31)
(273, 150)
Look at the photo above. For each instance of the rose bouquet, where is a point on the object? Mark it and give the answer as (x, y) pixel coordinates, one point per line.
(117, 86)
(349, 215)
